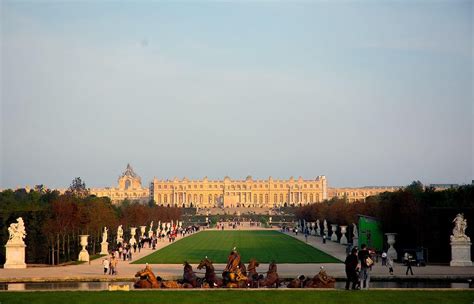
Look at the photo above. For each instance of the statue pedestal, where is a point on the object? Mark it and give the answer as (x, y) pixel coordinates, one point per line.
(460, 253)
(15, 256)
(104, 248)
(83, 256)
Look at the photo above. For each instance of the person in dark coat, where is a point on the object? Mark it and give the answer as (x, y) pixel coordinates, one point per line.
(352, 262)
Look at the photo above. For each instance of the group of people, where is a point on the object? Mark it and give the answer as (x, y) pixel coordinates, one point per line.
(110, 264)
(359, 265)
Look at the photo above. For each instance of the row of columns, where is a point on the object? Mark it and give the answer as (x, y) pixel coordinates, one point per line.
(244, 197)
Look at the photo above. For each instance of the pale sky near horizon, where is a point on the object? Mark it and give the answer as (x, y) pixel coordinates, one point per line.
(364, 92)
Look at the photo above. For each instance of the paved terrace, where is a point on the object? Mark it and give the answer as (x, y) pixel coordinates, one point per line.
(93, 271)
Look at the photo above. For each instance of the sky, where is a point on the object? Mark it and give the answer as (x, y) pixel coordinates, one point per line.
(364, 92)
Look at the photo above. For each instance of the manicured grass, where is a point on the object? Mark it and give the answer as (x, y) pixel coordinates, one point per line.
(242, 296)
(264, 246)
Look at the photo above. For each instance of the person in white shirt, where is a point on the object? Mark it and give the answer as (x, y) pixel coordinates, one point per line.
(106, 264)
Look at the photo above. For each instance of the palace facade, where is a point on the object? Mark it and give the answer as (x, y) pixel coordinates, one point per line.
(229, 193)
(224, 193)
(358, 194)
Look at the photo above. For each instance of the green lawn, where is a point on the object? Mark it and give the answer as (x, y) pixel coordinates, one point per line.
(216, 245)
(241, 296)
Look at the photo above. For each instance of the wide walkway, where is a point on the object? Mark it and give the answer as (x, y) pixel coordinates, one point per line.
(126, 271)
(339, 251)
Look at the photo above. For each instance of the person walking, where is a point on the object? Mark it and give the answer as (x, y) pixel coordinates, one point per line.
(112, 265)
(351, 269)
(409, 263)
(106, 264)
(365, 266)
(390, 265)
(306, 235)
(384, 258)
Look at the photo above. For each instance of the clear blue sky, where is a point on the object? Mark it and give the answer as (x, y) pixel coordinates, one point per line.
(364, 92)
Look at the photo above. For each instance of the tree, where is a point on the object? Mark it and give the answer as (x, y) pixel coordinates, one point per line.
(78, 188)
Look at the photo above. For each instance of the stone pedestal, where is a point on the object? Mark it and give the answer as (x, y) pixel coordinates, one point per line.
(15, 256)
(104, 248)
(343, 240)
(460, 253)
(391, 252)
(334, 235)
(83, 254)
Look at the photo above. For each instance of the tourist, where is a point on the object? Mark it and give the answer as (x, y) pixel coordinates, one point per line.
(409, 262)
(306, 235)
(365, 266)
(139, 246)
(384, 258)
(106, 264)
(324, 239)
(124, 254)
(120, 250)
(351, 269)
(390, 265)
(112, 265)
(134, 247)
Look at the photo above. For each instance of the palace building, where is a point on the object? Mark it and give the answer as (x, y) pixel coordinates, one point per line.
(267, 193)
(229, 193)
(129, 187)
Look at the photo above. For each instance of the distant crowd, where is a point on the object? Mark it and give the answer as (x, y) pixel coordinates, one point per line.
(124, 251)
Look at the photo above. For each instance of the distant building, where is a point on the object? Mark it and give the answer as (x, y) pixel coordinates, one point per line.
(440, 187)
(129, 187)
(249, 193)
(359, 194)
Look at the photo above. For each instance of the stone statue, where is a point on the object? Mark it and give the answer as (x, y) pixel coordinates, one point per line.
(459, 230)
(151, 225)
(325, 224)
(104, 234)
(17, 232)
(318, 228)
(119, 234)
(355, 232)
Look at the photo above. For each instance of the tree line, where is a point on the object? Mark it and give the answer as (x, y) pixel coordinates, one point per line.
(54, 221)
(421, 216)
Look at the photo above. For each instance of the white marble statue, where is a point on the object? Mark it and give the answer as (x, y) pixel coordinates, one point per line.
(460, 243)
(325, 224)
(105, 234)
(355, 232)
(151, 225)
(17, 232)
(459, 230)
(119, 234)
